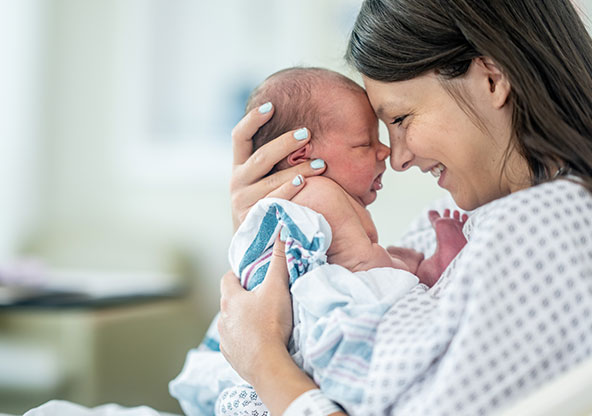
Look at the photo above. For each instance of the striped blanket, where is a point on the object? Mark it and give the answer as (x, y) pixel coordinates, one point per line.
(336, 312)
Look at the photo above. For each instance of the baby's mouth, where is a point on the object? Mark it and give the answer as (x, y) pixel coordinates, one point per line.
(377, 184)
(437, 170)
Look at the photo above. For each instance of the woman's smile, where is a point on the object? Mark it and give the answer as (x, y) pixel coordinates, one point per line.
(457, 141)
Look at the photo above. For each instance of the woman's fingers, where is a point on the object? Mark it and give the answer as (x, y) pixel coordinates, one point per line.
(243, 132)
(262, 316)
(229, 285)
(277, 275)
(275, 293)
(289, 189)
(283, 179)
(268, 155)
(279, 185)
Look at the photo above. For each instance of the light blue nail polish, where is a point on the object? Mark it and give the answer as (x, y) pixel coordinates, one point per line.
(317, 164)
(297, 181)
(265, 108)
(284, 234)
(301, 134)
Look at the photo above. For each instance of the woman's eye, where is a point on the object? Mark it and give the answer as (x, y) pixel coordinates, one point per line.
(398, 120)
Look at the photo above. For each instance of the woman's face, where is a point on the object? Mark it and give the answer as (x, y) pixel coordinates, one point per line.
(428, 129)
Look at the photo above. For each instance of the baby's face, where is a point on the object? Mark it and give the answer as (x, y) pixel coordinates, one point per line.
(350, 146)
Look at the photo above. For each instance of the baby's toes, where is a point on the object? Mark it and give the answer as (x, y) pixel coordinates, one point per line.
(433, 216)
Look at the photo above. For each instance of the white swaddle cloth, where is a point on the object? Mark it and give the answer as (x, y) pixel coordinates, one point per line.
(336, 312)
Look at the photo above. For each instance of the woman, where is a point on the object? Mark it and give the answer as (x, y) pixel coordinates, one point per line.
(494, 99)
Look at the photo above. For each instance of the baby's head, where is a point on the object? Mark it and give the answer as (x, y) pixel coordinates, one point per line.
(338, 114)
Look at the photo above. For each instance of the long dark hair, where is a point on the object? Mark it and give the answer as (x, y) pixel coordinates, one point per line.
(542, 47)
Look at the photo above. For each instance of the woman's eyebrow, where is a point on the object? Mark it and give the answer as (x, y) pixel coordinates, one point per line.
(384, 107)
(380, 111)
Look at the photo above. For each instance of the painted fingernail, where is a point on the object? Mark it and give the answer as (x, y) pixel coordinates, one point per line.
(298, 180)
(317, 164)
(301, 134)
(265, 108)
(284, 234)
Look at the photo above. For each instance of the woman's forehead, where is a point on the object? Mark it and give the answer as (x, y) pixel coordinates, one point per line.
(387, 96)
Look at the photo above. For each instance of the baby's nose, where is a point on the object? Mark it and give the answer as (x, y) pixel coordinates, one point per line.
(383, 152)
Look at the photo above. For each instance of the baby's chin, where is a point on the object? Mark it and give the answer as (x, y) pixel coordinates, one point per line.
(368, 198)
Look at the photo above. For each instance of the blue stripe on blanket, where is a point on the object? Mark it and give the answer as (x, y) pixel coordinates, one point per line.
(267, 230)
(302, 253)
(294, 230)
(341, 354)
(258, 276)
(210, 344)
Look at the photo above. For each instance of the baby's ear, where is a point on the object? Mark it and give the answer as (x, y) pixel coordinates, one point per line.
(301, 155)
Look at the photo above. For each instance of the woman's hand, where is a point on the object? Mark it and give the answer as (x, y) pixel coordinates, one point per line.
(254, 324)
(248, 185)
(254, 330)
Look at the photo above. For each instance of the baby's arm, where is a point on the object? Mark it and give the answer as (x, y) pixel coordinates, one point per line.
(351, 247)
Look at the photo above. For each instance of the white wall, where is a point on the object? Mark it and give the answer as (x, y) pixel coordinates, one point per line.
(142, 95)
(20, 94)
(115, 150)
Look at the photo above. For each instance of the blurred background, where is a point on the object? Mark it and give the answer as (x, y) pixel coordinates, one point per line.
(114, 167)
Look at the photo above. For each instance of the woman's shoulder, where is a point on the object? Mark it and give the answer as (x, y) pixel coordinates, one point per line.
(544, 230)
(546, 195)
(560, 203)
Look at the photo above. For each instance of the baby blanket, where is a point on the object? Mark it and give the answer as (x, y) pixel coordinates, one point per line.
(336, 312)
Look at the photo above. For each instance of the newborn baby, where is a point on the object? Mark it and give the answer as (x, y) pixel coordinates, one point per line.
(345, 130)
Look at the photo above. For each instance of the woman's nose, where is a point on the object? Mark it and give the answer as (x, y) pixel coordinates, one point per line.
(401, 156)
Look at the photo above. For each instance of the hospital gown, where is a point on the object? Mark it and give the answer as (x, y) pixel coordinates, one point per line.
(512, 311)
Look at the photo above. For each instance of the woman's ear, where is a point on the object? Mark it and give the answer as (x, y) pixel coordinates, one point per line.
(498, 83)
(301, 155)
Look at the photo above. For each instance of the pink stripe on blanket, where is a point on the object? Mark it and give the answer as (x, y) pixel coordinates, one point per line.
(254, 266)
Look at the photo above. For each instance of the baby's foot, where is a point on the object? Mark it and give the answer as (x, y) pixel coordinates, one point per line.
(449, 239)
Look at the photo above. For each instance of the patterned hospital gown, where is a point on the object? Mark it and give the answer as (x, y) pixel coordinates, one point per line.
(511, 312)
